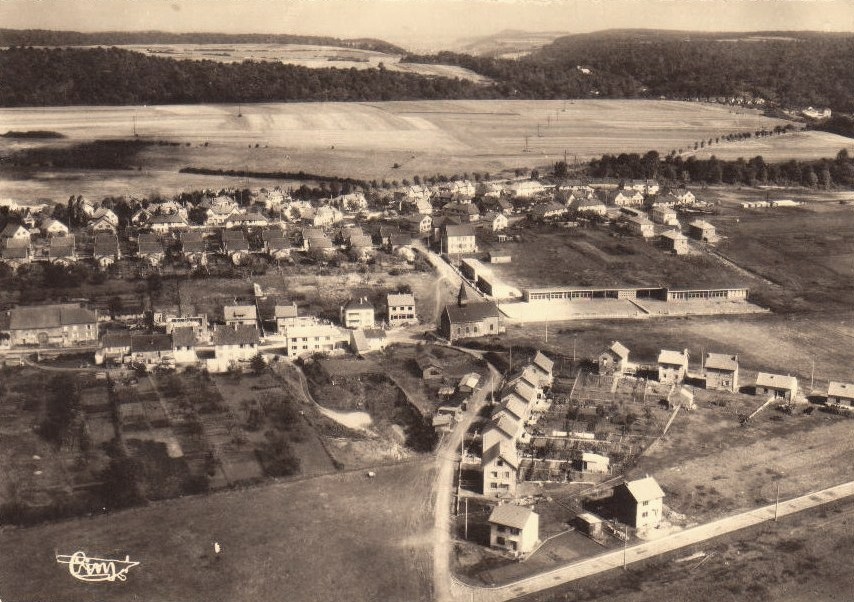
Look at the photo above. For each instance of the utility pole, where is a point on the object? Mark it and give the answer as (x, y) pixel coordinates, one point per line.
(777, 503)
(812, 376)
(547, 331)
(466, 535)
(626, 548)
(574, 337)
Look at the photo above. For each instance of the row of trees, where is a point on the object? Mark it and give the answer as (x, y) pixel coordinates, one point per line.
(823, 173)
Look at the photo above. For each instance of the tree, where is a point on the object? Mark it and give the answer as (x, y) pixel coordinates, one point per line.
(257, 363)
(561, 170)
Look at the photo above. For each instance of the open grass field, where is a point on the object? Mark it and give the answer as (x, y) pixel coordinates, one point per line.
(797, 145)
(303, 55)
(318, 539)
(366, 140)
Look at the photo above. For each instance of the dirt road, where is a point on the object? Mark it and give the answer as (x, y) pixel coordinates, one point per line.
(680, 539)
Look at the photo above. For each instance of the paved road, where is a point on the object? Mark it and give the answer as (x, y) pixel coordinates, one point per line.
(612, 560)
(443, 490)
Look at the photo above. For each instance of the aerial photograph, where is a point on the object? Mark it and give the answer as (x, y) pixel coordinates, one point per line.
(426, 300)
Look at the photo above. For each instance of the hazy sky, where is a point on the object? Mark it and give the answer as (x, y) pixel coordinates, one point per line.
(424, 23)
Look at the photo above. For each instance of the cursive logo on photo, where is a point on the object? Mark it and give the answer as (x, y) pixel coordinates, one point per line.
(85, 568)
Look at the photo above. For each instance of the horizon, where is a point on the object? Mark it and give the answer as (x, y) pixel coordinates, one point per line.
(427, 24)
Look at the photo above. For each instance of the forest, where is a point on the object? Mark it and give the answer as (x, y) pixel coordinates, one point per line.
(112, 76)
(822, 173)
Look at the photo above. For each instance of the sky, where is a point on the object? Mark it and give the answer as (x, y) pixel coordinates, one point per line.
(425, 24)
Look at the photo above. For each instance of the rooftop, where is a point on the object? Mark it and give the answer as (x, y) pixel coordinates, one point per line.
(238, 335)
(677, 358)
(645, 489)
(397, 299)
(776, 381)
(721, 361)
(473, 312)
(837, 389)
(504, 450)
(50, 316)
(510, 515)
(141, 343)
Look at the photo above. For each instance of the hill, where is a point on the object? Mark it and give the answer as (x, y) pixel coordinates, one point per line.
(510, 43)
(44, 37)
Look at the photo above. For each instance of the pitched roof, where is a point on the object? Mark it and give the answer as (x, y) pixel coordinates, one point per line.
(459, 230)
(645, 489)
(510, 515)
(678, 358)
(286, 311)
(141, 343)
(360, 303)
(360, 241)
(543, 362)
(169, 218)
(111, 340)
(473, 312)
(239, 335)
(674, 235)
(504, 450)
(272, 233)
(396, 299)
(427, 361)
(49, 316)
(504, 424)
(184, 336)
(776, 381)
(620, 350)
(11, 230)
(515, 406)
(106, 244)
(837, 389)
(721, 361)
(13, 252)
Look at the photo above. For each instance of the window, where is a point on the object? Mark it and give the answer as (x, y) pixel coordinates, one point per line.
(494, 474)
(499, 540)
(493, 486)
(644, 515)
(506, 474)
(646, 503)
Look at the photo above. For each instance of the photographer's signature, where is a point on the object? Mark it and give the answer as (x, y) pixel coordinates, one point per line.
(84, 568)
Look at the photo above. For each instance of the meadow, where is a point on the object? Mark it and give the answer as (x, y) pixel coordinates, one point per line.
(389, 140)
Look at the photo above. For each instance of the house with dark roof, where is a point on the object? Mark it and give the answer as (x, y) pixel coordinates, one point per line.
(514, 529)
(150, 248)
(233, 344)
(194, 248)
(240, 315)
(151, 350)
(114, 346)
(465, 212)
(357, 313)
(62, 250)
(14, 256)
(500, 467)
(639, 503)
(674, 242)
(59, 325)
(721, 372)
(429, 367)
(469, 319)
(184, 345)
(457, 238)
(106, 251)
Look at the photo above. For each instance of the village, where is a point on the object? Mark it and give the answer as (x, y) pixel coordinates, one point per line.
(376, 370)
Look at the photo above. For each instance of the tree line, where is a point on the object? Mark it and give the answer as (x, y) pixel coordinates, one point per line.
(821, 173)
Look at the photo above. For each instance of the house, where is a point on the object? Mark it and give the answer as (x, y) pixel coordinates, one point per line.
(199, 324)
(674, 242)
(457, 239)
(61, 250)
(683, 197)
(589, 205)
(614, 360)
(250, 219)
(593, 463)
(53, 227)
(361, 247)
(320, 247)
(840, 394)
(644, 186)
(58, 325)
(495, 221)
(419, 222)
(622, 198)
(140, 217)
(640, 226)
(234, 344)
(776, 385)
(193, 247)
(314, 338)
(151, 350)
(398, 241)
(639, 503)
(167, 222)
(401, 309)
(543, 367)
(547, 211)
(429, 367)
(103, 220)
(326, 216)
(502, 428)
(114, 346)
(150, 248)
(665, 216)
(514, 408)
(351, 202)
(15, 256)
(106, 251)
(721, 372)
(525, 189)
(672, 366)
(702, 230)
(277, 247)
(414, 195)
(464, 212)
(513, 528)
(287, 316)
(219, 213)
(15, 232)
(497, 205)
(240, 315)
(459, 189)
(235, 245)
(467, 319)
(367, 340)
(500, 467)
(357, 313)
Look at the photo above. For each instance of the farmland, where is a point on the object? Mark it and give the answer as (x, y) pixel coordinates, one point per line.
(362, 140)
(799, 145)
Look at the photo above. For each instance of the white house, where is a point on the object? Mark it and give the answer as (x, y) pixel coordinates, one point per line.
(514, 529)
(500, 466)
(53, 227)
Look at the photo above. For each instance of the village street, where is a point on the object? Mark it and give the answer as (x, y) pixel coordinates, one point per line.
(635, 553)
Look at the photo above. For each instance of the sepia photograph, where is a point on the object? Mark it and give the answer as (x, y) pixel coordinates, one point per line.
(426, 300)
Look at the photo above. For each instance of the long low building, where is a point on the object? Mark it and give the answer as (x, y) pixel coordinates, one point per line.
(59, 325)
(579, 293)
(486, 280)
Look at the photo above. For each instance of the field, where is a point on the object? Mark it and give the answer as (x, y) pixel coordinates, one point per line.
(365, 140)
(802, 146)
(313, 539)
(304, 55)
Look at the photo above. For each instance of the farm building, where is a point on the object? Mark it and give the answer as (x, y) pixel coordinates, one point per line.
(721, 372)
(672, 366)
(639, 503)
(151, 349)
(614, 360)
(456, 239)
(357, 313)
(482, 276)
(61, 325)
(114, 346)
(840, 394)
(500, 466)
(401, 309)
(500, 257)
(593, 463)
(467, 319)
(777, 385)
(665, 216)
(514, 529)
(589, 524)
(240, 315)
(702, 230)
(429, 367)
(675, 242)
(494, 221)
